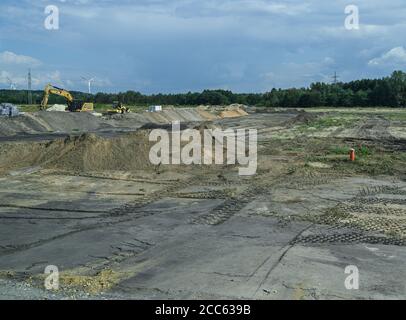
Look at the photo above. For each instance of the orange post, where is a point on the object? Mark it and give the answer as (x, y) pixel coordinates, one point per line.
(352, 155)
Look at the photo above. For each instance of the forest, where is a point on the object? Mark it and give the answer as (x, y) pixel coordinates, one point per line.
(384, 92)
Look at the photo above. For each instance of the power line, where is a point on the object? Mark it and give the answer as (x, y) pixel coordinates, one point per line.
(29, 87)
(335, 78)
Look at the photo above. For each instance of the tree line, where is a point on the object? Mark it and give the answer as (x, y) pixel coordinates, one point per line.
(384, 92)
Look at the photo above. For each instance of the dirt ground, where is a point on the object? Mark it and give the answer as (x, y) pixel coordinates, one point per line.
(117, 227)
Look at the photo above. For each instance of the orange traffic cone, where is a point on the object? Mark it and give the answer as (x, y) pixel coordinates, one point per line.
(352, 154)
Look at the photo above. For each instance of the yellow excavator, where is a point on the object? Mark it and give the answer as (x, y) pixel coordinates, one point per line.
(73, 105)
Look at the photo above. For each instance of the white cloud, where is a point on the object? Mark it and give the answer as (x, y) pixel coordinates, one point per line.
(11, 58)
(394, 57)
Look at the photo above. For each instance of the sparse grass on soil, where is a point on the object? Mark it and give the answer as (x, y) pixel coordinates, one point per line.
(396, 116)
(357, 110)
(328, 122)
(92, 284)
(29, 108)
(371, 160)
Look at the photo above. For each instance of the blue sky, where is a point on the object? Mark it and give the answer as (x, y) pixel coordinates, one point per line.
(190, 45)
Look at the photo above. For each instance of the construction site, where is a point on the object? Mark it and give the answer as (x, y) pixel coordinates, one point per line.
(78, 191)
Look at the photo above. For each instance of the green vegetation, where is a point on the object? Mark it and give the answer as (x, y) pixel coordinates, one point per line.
(396, 116)
(29, 108)
(369, 159)
(360, 151)
(385, 92)
(330, 121)
(364, 151)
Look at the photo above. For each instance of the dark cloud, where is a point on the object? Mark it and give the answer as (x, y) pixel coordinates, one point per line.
(179, 45)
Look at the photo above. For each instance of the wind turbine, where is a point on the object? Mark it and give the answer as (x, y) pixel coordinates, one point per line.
(89, 81)
(13, 85)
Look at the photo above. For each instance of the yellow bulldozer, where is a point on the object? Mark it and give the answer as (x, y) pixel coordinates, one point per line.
(73, 105)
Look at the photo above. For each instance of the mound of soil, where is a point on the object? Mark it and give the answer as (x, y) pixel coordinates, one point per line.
(87, 152)
(302, 118)
(233, 114)
(44, 122)
(48, 122)
(233, 111)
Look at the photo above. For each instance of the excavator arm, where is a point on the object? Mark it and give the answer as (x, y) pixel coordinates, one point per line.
(49, 89)
(73, 106)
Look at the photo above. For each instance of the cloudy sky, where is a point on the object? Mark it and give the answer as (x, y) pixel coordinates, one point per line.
(190, 45)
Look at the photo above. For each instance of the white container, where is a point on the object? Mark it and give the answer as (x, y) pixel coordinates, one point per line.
(155, 109)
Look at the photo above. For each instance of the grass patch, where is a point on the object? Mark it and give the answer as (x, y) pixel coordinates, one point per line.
(357, 110)
(369, 160)
(398, 116)
(29, 108)
(344, 150)
(363, 150)
(327, 122)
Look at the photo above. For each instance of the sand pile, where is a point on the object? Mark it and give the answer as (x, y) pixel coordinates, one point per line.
(236, 113)
(206, 114)
(92, 153)
(199, 114)
(170, 114)
(233, 111)
(80, 122)
(87, 152)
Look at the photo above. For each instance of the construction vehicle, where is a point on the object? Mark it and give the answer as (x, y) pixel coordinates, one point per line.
(73, 105)
(118, 108)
